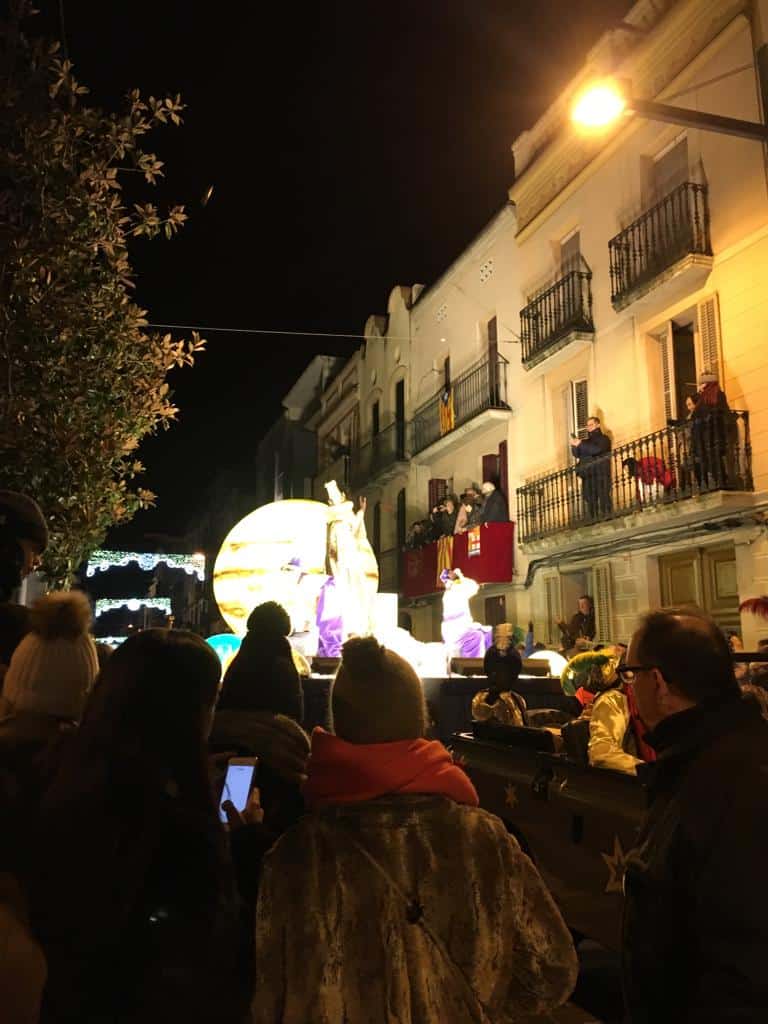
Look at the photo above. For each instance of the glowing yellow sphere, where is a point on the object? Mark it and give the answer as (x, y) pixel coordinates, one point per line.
(598, 106)
(263, 556)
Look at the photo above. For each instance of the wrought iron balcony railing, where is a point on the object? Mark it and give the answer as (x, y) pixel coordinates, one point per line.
(696, 457)
(483, 386)
(380, 453)
(563, 308)
(676, 227)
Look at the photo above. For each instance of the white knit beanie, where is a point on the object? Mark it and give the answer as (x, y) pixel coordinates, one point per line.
(54, 666)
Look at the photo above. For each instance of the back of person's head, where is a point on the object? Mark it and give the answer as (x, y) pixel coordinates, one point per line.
(153, 708)
(690, 651)
(376, 697)
(269, 620)
(263, 675)
(54, 666)
(21, 524)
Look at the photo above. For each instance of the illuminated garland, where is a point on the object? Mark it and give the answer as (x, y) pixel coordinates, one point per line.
(100, 561)
(108, 604)
(110, 641)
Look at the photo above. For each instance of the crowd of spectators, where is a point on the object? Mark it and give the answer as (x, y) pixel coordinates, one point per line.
(457, 514)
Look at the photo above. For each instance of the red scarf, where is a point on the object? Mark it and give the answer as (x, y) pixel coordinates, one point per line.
(346, 773)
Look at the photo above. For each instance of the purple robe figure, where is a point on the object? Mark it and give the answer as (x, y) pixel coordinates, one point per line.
(329, 621)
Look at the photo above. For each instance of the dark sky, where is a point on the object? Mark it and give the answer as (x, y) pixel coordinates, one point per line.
(352, 145)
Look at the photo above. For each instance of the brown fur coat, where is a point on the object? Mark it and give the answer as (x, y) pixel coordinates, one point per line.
(333, 937)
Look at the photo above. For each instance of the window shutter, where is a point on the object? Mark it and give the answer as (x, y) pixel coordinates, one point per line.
(552, 596)
(668, 373)
(491, 469)
(437, 491)
(601, 577)
(710, 347)
(580, 406)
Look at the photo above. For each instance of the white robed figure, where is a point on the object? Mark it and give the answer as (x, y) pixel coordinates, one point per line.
(352, 562)
(463, 637)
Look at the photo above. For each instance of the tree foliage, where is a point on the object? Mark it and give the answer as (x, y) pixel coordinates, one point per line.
(82, 379)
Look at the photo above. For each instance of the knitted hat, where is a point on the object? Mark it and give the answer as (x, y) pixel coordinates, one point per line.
(707, 377)
(21, 517)
(376, 697)
(54, 666)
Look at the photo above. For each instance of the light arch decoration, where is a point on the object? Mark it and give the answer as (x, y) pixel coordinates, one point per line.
(133, 604)
(102, 560)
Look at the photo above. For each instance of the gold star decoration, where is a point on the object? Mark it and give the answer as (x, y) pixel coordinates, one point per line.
(510, 796)
(617, 862)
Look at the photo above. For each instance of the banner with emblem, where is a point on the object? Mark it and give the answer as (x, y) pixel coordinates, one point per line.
(473, 542)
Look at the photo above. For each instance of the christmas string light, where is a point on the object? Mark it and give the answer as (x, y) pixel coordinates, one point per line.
(108, 604)
(100, 561)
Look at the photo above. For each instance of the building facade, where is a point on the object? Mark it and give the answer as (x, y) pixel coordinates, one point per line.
(623, 267)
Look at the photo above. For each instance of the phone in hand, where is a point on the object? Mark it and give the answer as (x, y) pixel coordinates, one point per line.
(575, 437)
(237, 783)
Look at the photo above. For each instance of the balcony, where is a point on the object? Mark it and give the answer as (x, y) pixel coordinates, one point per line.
(480, 388)
(486, 555)
(560, 315)
(669, 466)
(382, 456)
(669, 241)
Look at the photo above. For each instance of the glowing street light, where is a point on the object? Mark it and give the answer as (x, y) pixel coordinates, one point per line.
(598, 106)
(601, 103)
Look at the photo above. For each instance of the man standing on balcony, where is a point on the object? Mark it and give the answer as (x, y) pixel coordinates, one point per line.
(594, 468)
(494, 505)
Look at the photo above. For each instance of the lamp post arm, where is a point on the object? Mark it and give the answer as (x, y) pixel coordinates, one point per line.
(697, 119)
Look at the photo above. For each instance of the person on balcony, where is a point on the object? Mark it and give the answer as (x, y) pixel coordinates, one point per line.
(653, 478)
(711, 431)
(581, 626)
(594, 468)
(444, 516)
(494, 505)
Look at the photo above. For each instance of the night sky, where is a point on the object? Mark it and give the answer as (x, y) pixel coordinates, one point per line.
(351, 146)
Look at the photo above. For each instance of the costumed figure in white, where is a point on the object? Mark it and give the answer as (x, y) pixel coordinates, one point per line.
(353, 564)
(463, 637)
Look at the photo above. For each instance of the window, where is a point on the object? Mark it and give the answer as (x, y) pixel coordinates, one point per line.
(579, 407)
(570, 252)
(689, 345)
(603, 598)
(447, 371)
(669, 169)
(400, 419)
(374, 419)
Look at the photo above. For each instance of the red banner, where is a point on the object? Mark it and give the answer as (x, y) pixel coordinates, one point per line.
(492, 560)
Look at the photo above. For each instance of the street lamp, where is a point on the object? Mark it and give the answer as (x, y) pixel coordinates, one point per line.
(601, 104)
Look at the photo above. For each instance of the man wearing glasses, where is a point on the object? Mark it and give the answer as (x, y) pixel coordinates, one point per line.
(696, 902)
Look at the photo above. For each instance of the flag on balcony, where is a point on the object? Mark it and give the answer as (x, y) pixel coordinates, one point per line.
(444, 558)
(447, 416)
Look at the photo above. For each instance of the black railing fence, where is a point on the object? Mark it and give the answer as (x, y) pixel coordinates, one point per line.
(383, 450)
(564, 307)
(675, 227)
(483, 386)
(695, 457)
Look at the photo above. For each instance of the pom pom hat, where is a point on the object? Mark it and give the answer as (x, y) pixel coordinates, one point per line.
(377, 697)
(54, 666)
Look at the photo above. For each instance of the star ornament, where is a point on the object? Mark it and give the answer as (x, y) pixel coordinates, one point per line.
(617, 863)
(510, 796)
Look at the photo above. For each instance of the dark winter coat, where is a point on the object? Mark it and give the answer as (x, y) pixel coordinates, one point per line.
(696, 901)
(495, 508)
(595, 444)
(502, 668)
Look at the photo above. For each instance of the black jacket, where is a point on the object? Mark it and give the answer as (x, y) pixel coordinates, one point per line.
(696, 901)
(595, 444)
(495, 508)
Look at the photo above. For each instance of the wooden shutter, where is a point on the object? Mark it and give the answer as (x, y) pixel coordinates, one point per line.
(710, 345)
(491, 469)
(554, 614)
(437, 491)
(668, 373)
(580, 405)
(504, 470)
(603, 598)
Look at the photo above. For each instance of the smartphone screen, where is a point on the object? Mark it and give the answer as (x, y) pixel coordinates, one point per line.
(237, 785)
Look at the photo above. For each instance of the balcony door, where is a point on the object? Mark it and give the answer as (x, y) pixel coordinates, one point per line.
(667, 170)
(678, 368)
(493, 362)
(705, 577)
